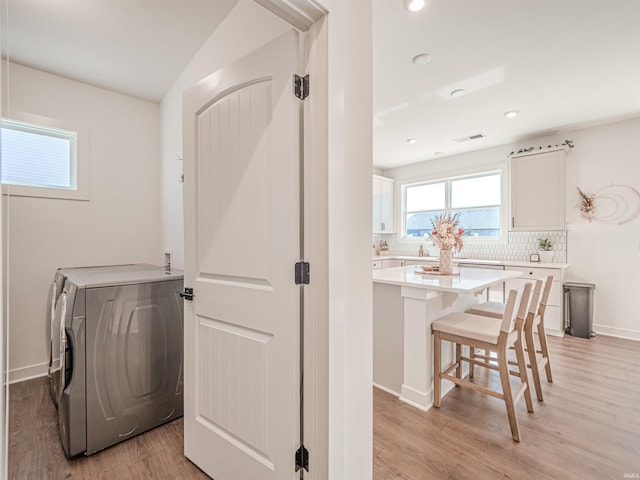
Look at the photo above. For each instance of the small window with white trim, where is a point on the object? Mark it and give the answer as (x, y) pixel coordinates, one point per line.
(478, 199)
(41, 160)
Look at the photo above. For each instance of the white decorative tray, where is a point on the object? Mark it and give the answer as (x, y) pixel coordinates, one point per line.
(435, 272)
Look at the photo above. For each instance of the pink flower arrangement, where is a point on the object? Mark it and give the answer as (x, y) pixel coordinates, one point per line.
(447, 232)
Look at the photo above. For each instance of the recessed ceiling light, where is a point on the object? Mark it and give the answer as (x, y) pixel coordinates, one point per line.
(511, 113)
(414, 5)
(421, 59)
(412, 140)
(458, 92)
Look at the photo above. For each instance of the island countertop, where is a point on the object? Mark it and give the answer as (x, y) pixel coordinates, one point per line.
(469, 280)
(475, 261)
(405, 304)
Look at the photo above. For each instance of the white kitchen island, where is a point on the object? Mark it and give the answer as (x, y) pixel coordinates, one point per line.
(405, 303)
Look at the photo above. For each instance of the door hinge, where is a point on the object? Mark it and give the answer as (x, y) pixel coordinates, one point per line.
(187, 294)
(302, 273)
(302, 458)
(301, 86)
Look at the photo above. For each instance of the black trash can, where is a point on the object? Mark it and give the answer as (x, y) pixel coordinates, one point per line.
(578, 309)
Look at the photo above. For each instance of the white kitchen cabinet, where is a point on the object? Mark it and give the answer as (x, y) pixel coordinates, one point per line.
(388, 262)
(421, 262)
(382, 204)
(495, 293)
(537, 191)
(412, 262)
(553, 315)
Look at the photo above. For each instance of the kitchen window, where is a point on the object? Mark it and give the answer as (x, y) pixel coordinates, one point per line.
(477, 198)
(42, 160)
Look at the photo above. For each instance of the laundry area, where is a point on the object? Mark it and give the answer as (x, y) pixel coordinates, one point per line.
(116, 366)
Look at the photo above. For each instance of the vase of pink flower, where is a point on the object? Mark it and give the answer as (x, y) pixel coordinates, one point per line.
(447, 236)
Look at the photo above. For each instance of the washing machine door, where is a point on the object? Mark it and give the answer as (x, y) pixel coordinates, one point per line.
(50, 320)
(58, 347)
(54, 293)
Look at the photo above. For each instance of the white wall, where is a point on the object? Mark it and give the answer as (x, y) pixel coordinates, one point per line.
(607, 255)
(120, 224)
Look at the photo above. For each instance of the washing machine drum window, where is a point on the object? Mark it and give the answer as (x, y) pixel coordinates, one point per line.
(59, 370)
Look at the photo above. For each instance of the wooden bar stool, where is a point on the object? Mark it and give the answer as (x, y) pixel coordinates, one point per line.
(534, 323)
(492, 335)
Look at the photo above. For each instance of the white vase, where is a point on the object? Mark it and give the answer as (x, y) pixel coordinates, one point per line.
(546, 256)
(446, 262)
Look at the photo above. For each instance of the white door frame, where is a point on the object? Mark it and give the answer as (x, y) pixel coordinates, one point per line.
(4, 330)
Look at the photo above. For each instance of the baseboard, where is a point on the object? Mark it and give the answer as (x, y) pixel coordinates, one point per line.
(554, 333)
(421, 400)
(385, 389)
(27, 373)
(617, 332)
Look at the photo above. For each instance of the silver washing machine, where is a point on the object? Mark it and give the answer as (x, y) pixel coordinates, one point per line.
(117, 363)
(54, 293)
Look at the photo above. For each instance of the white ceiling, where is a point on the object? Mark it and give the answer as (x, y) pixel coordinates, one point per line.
(562, 63)
(136, 47)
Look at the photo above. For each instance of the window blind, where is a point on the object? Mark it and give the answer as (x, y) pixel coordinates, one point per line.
(36, 156)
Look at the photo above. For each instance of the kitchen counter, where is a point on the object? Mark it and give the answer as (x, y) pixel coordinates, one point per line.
(457, 260)
(405, 304)
(554, 314)
(469, 280)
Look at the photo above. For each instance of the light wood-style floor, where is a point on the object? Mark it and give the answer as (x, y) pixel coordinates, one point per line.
(35, 451)
(587, 428)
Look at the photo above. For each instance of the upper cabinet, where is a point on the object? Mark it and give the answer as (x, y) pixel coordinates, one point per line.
(382, 204)
(537, 191)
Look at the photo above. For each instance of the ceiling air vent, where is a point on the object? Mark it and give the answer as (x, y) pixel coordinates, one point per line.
(477, 136)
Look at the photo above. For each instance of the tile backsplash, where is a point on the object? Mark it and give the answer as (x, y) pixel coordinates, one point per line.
(518, 247)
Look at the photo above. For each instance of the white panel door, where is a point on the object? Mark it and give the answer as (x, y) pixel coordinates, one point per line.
(241, 151)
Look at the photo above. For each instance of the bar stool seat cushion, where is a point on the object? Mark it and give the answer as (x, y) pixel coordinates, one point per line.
(491, 309)
(476, 327)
